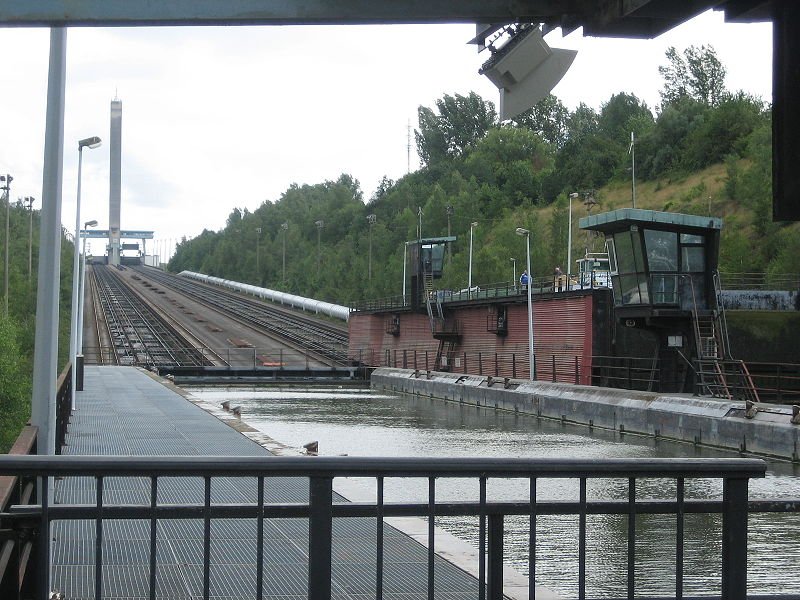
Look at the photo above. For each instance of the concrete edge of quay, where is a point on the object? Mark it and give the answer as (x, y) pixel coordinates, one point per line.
(698, 420)
(449, 547)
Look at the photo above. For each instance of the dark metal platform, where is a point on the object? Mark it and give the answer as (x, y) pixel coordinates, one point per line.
(125, 411)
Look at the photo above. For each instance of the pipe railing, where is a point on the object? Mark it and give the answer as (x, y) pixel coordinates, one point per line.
(324, 505)
(778, 383)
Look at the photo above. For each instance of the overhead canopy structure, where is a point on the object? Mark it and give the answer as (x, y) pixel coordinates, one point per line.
(626, 18)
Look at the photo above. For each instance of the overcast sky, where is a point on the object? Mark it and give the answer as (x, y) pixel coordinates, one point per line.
(217, 118)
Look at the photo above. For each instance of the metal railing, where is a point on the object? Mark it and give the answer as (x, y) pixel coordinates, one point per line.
(63, 405)
(323, 506)
(779, 383)
(760, 281)
(16, 550)
(244, 356)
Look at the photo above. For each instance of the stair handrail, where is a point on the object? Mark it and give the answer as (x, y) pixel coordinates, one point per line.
(695, 319)
(726, 343)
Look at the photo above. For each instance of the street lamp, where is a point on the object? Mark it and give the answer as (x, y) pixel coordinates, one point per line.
(532, 359)
(81, 292)
(29, 200)
(514, 271)
(320, 224)
(371, 219)
(569, 236)
(472, 226)
(284, 227)
(449, 209)
(6, 185)
(258, 253)
(92, 142)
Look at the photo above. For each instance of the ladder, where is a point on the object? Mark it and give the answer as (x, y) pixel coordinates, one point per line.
(445, 355)
(719, 374)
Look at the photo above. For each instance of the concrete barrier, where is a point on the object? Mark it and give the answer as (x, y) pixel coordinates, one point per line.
(694, 419)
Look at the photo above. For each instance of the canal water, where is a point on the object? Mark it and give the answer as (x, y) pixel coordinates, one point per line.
(359, 422)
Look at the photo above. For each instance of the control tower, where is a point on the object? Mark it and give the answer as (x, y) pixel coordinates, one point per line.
(115, 183)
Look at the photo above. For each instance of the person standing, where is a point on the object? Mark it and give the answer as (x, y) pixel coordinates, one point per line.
(524, 280)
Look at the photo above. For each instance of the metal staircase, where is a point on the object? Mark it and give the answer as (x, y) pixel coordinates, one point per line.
(447, 331)
(719, 374)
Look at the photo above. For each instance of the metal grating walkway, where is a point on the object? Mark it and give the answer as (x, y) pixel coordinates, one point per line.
(123, 411)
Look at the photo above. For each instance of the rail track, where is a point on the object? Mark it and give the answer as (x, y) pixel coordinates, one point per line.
(322, 339)
(134, 333)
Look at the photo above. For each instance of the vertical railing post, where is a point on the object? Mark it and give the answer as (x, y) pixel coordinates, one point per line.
(554, 367)
(494, 577)
(320, 535)
(405, 358)
(43, 551)
(577, 376)
(514, 365)
(734, 539)
(480, 364)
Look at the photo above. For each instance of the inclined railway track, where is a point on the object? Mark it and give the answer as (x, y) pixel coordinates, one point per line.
(328, 341)
(139, 336)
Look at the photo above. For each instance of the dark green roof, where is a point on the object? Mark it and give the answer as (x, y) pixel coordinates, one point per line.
(623, 218)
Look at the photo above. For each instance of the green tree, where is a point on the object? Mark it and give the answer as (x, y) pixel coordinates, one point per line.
(698, 75)
(460, 123)
(548, 118)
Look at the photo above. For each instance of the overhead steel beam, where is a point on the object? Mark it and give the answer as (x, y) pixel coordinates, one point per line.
(278, 12)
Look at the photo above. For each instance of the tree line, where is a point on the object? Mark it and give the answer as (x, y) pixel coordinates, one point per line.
(505, 175)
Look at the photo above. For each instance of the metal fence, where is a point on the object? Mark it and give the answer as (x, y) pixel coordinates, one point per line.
(778, 383)
(33, 521)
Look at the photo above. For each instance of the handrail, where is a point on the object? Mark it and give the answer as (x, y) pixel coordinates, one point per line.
(15, 552)
(63, 405)
(323, 506)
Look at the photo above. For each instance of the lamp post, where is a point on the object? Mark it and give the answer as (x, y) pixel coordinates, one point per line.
(532, 359)
(285, 228)
(449, 209)
(92, 142)
(81, 292)
(320, 224)
(371, 219)
(472, 226)
(6, 185)
(258, 254)
(29, 200)
(569, 235)
(514, 271)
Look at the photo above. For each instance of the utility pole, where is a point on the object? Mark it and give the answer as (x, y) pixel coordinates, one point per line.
(258, 253)
(284, 227)
(419, 229)
(408, 148)
(449, 209)
(29, 200)
(320, 224)
(632, 152)
(371, 219)
(6, 179)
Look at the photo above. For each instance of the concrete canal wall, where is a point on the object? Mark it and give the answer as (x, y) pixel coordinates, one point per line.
(698, 420)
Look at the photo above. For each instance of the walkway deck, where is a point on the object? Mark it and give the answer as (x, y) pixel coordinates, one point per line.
(125, 411)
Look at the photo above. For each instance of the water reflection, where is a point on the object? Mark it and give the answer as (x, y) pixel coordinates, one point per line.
(363, 423)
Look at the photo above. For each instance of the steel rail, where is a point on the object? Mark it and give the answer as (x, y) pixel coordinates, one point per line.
(312, 336)
(147, 339)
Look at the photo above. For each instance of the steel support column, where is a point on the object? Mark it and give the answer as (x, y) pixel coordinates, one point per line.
(45, 359)
(785, 117)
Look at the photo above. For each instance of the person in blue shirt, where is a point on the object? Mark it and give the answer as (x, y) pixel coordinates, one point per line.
(524, 279)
